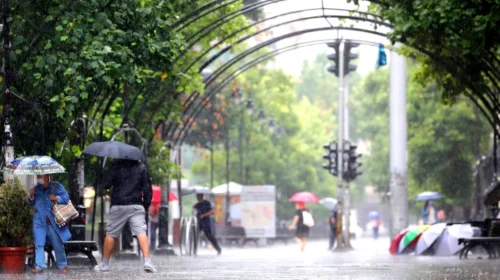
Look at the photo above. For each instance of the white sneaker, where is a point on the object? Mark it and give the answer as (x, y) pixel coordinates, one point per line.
(150, 268)
(101, 268)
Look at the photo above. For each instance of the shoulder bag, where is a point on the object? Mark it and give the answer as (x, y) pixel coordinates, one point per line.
(63, 213)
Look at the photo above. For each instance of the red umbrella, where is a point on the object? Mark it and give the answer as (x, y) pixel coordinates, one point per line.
(304, 197)
(395, 242)
(157, 195)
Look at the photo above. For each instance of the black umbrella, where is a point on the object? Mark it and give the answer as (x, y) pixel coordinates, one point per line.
(115, 149)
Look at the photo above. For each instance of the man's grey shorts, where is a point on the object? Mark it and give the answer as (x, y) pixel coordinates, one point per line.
(119, 215)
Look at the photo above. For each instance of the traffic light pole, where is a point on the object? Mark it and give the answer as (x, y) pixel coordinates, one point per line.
(340, 146)
(347, 196)
(398, 139)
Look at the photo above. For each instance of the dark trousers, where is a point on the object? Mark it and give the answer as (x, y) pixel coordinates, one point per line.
(152, 234)
(210, 237)
(333, 237)
(375, 232)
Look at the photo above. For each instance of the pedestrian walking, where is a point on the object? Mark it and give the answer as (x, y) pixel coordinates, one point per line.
(131, 196)
(301, 224)
(204, 211)
(375, 228)
(429, 213)
(43, 196)
(332, 221)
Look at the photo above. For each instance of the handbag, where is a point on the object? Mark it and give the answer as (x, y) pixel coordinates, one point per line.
(63, 213)
(307, 219)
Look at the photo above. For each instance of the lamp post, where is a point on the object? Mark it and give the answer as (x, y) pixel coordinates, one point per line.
(226, 144)
(7, 142)
(164, 246)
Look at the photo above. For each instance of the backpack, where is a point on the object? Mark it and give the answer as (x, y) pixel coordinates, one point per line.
(307, 219)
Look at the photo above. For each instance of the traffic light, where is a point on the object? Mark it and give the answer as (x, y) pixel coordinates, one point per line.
(352, 164)
(348, 56)
(331, 156)
(334, 57)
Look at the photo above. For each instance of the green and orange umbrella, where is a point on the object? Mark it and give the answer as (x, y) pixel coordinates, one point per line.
(410, 239)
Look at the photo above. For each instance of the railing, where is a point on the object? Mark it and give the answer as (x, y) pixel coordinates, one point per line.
(189, 236)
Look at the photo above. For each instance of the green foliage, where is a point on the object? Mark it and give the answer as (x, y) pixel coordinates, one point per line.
(459, 40)
(160, 168)
(74, 58)
(15, 215)
(291, 161)
(443, 141)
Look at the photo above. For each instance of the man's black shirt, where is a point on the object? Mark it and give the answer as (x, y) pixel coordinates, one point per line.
(203, 207)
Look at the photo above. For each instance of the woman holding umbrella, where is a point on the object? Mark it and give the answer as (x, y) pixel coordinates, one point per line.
(43, 196)
(302, 220)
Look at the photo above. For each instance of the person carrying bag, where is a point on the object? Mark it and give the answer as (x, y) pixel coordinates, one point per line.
(44, 197)
(63, 213)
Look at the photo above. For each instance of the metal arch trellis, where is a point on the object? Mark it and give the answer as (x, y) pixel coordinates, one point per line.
(363, 17)
(483, 100)
(207, 96)
(232, 62)
(213, 58)
(205, 31)
(242, 69)
(267, 2)
(201, 11)
(226, 49)
(236, 59)
(213, 6)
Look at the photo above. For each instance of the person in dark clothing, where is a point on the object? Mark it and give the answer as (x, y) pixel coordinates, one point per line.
(131, 196)
(301, 230)
(203, 212)
(332, 220)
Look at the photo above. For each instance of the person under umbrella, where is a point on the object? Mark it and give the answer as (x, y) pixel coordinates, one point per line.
(301, 229)
(429, 213)
(332, 221)
(131, 196)
(302, 220)
(43, 196)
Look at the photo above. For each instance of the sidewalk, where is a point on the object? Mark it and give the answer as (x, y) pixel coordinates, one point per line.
(369, 260)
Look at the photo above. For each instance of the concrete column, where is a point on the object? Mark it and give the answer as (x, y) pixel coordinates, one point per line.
(398, 148)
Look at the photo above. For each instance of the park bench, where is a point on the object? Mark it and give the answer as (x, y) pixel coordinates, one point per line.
(489, 244)
(489, 239)
(282, 234)
(229, 235)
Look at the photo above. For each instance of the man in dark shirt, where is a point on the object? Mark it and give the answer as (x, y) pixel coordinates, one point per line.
(131, 196)
(204, 211)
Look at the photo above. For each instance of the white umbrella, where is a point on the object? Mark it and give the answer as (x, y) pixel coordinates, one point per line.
(234, 189)
(429, 237)
(447, 244)
(196, 190)
(329, 202)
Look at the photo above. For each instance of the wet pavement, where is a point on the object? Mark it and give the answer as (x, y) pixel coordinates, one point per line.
(369, 260)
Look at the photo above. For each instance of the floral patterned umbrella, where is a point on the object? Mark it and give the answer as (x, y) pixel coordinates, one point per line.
(34, 165)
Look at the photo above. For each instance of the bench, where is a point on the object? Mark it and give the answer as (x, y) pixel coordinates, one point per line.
(489, 239)
(76, 246)
(229, 235)
(489, 244)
